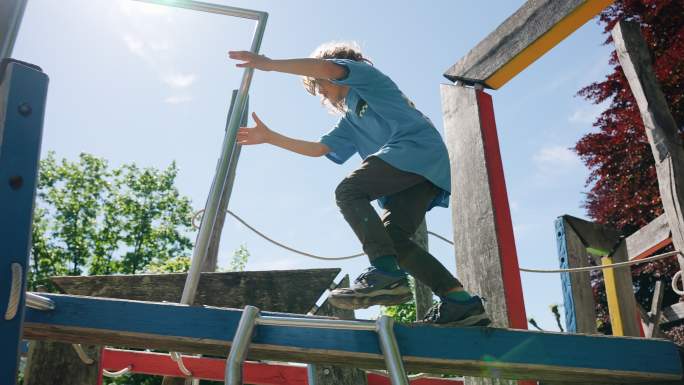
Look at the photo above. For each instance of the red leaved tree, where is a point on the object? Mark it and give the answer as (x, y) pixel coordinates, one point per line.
(624, 189)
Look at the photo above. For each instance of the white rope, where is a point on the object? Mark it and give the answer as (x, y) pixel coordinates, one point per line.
(573, 270)
(612, 265)
(675, 286)
(178, 359)
(264, 236)
(15, 292)
(119, 373)
(82, 354)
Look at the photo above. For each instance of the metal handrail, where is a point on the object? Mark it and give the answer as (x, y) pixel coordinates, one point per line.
(38, 302)
(390, 350)
(240, 345)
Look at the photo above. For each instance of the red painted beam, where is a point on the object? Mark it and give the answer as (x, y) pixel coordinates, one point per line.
(160, 364)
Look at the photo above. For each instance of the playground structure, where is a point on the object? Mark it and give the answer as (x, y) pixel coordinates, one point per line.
(482, 234)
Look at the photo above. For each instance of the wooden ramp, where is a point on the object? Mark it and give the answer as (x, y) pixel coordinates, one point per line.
(485, 352)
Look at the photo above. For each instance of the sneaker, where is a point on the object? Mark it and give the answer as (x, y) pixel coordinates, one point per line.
(455, 313)
(373, 287)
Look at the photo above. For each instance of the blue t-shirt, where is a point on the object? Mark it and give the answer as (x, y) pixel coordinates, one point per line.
(381, 121)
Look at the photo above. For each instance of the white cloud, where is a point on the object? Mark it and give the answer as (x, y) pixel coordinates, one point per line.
(135, 45)
(586, 115)
(555, 159)
(177, 99)
(178, 80)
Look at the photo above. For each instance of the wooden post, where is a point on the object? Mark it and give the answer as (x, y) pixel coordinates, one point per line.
(11, 13)
(423, 294)
(578, 299)
(23, 91)
(332, 374)
(486, 258)
(577, 293)
(661, 128)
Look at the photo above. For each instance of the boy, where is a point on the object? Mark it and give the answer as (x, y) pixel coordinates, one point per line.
(405, 167)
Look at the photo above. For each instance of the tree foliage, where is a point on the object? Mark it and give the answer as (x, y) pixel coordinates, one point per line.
(93, 219)
(623, 182)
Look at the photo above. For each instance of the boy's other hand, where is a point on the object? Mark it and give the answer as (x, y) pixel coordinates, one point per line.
(254, 135)
(250, 60)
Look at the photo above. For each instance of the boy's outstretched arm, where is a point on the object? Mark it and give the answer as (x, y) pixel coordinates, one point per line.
(260, 133)
(315, 68)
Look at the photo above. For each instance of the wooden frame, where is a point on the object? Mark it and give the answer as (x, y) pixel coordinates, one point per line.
(490, 352)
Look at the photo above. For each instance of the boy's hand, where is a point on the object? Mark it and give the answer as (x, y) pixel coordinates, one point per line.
(250, 60)
(254, 135)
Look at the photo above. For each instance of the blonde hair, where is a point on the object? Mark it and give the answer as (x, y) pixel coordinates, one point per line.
(334, 50)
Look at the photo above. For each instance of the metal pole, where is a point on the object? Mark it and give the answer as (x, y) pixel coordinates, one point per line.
(38, 302)
(11, 13)
(240, 345)
(316, 323)
(311, 374)
(222, 175)
(390, 349)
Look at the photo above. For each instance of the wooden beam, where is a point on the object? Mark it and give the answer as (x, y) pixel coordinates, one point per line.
(11, 13)
(213, 369)
(618, 281)
(661, 128)
(269, 290)
(674, 313)
(471, 351)
(649, 239)
(332, 374)
(653, 330)
(486, 256)
(578, 297)
(533, 30)
(23, 92)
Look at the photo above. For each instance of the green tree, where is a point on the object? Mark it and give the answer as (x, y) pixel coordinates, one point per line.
(91, 218)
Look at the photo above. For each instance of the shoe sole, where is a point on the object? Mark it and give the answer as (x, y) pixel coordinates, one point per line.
(474, 320)
(380, 297)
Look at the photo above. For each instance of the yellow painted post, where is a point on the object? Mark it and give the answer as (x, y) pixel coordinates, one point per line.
(612, 296)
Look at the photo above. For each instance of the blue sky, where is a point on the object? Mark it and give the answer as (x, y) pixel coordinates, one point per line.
(133, 82)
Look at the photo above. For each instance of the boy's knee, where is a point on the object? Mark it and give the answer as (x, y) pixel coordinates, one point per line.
(395, 232)
(347, 191)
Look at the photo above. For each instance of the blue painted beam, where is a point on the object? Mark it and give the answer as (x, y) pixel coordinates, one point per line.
(471, 351)
(23, 90)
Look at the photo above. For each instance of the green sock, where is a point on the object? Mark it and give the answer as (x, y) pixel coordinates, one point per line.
(386, 263)
(459, 296)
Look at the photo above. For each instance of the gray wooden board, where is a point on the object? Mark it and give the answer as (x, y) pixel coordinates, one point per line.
(517, 32)
(625, 289)
(57, 363)
(661, 128)
(326, 374)
(477, 249)
(293, 291)
(656, 232)
(584, 306)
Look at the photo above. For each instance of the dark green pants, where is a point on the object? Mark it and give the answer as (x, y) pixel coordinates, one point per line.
(390, 233)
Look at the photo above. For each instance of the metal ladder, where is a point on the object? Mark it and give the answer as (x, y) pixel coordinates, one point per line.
(384, 326)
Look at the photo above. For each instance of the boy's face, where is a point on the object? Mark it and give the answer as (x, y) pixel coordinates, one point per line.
(333, 92)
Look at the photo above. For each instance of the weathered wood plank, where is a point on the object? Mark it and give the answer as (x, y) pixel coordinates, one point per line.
(269, 290)
(529, 33)
(606, 239)
(674, 313)
(661, 128)
(472, 351)
(11, 13)
(649, 239)
(57, 363)
(578, 298)
(423, 294)
(653, 330)
(325, 374)
(626, 302)
(486, 258)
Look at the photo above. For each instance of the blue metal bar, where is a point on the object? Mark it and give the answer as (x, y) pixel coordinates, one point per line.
(23, 91)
